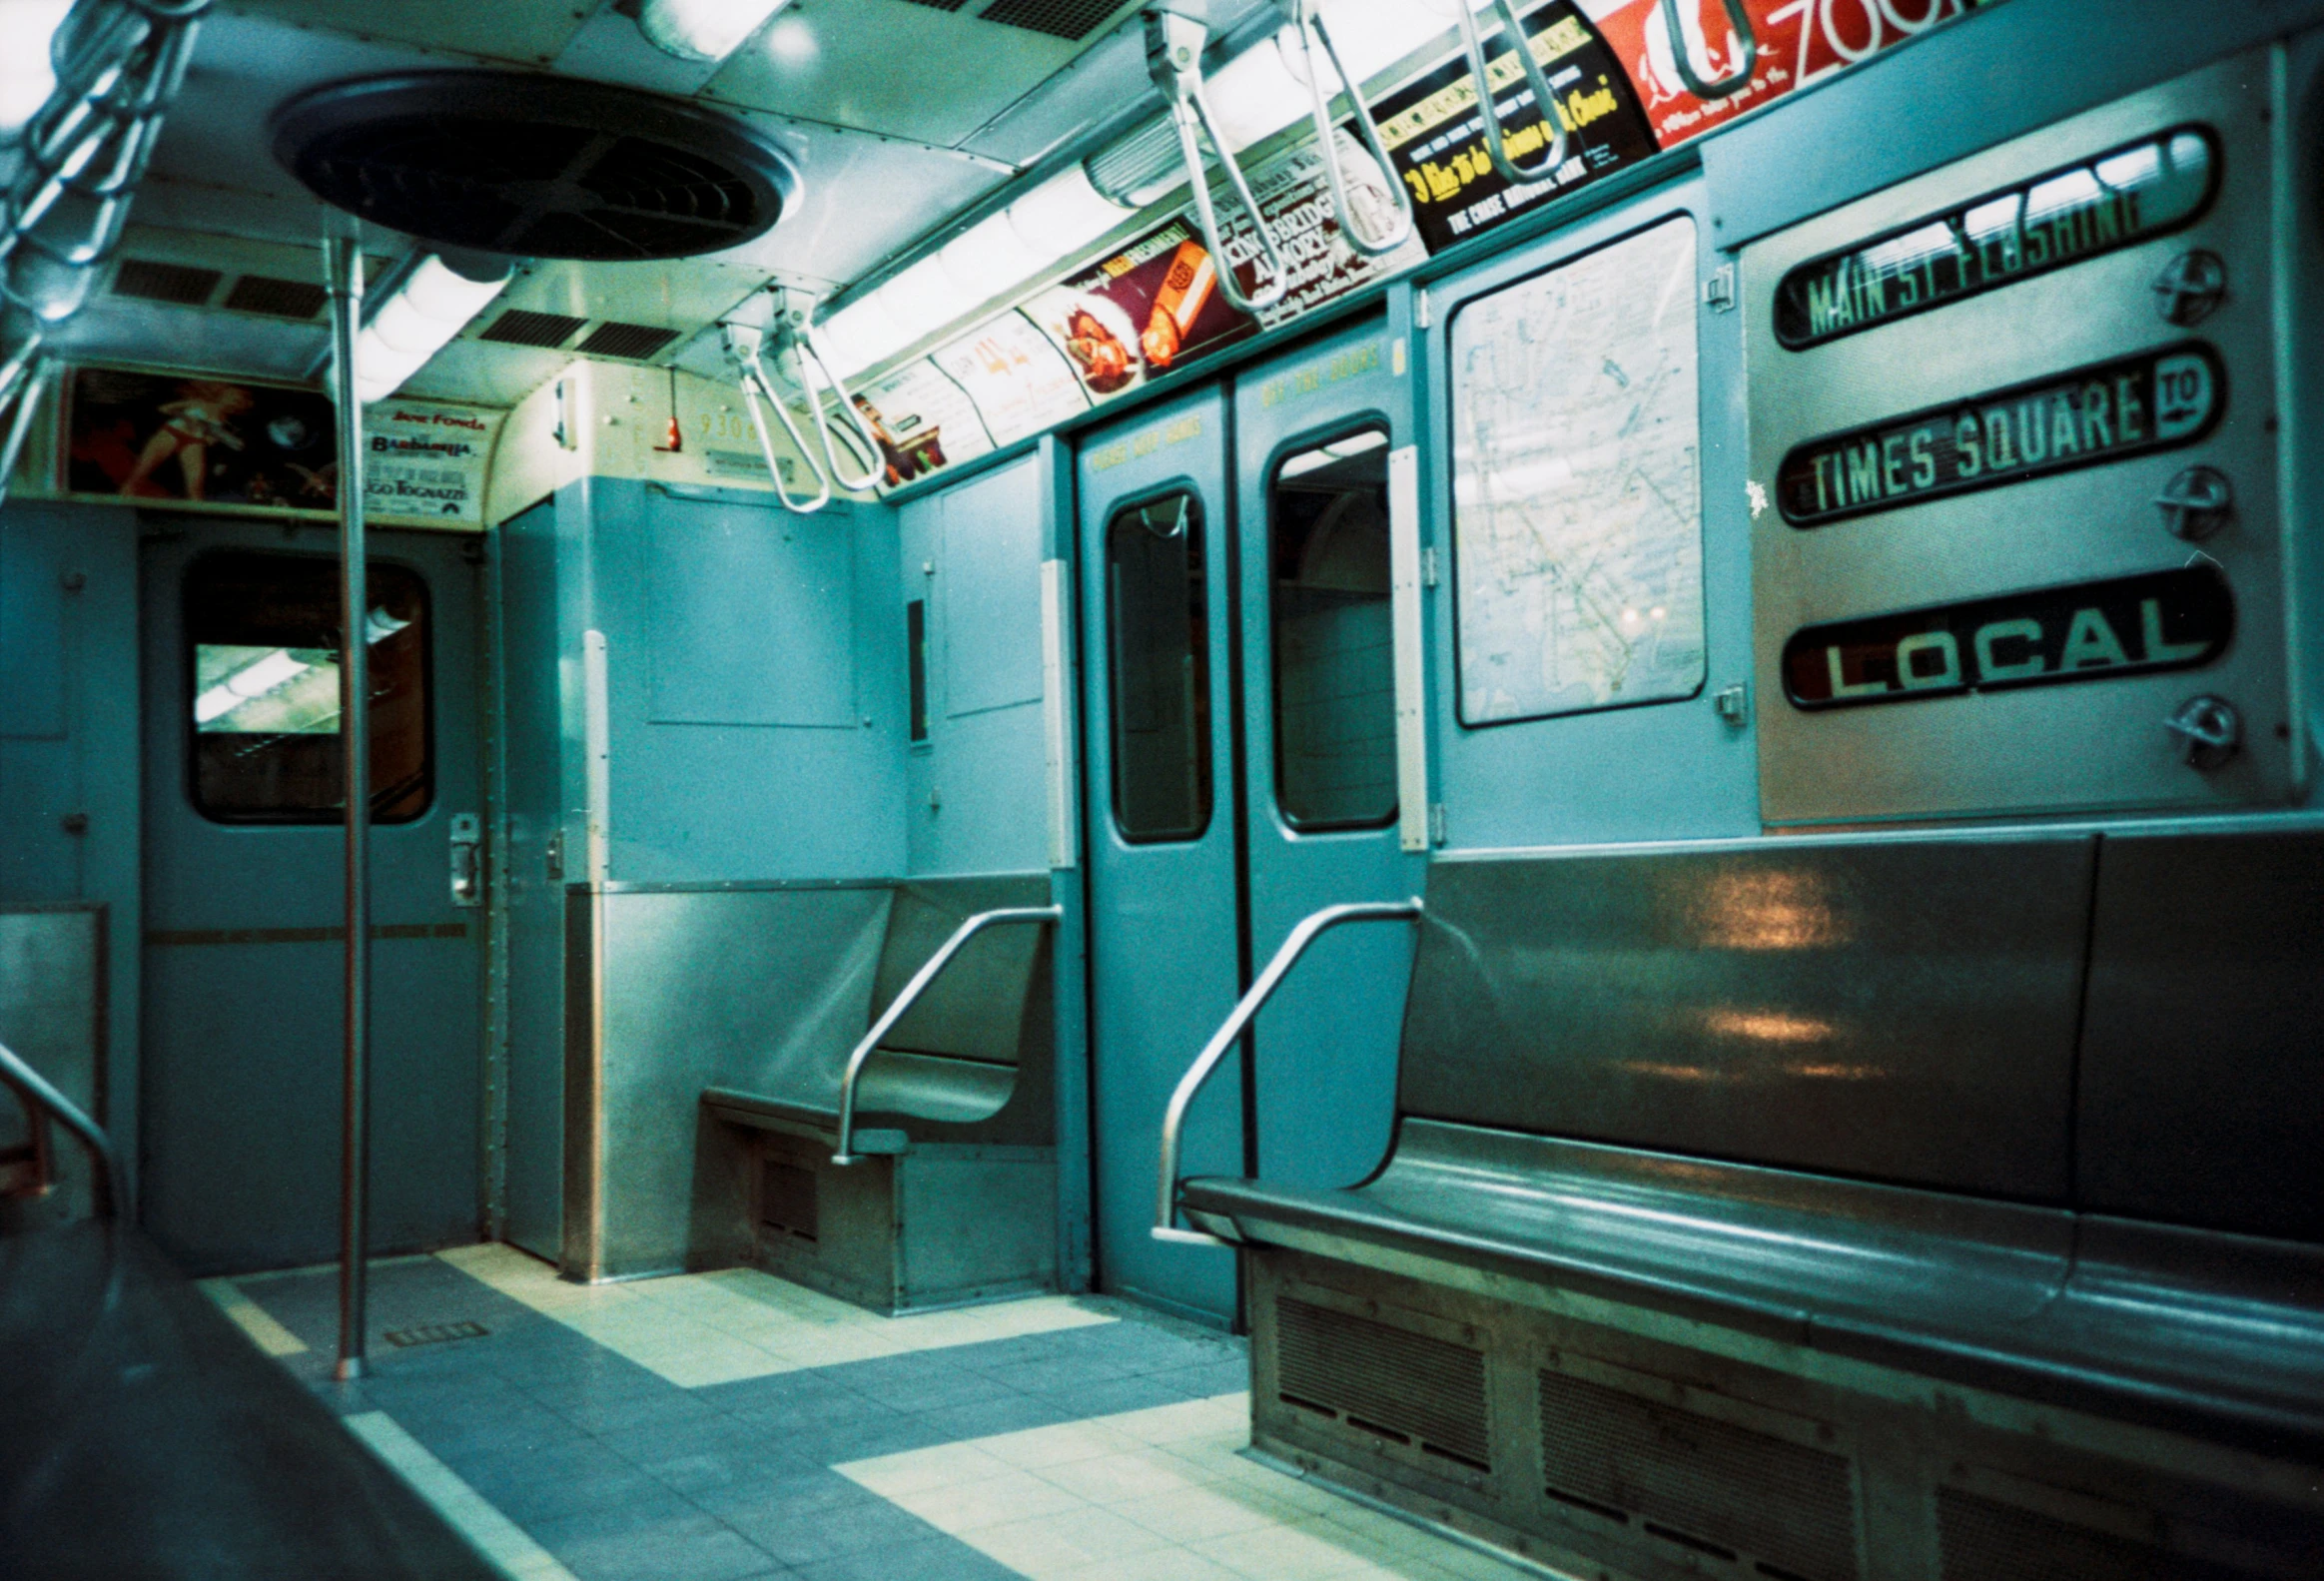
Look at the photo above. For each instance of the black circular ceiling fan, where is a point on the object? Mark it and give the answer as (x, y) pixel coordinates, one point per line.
(533, 166)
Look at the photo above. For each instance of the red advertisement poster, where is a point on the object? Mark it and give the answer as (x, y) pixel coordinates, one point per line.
(1799, 42)
(1151, 307)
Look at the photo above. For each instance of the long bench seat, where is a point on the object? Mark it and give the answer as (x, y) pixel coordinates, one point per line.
(1901, 1204)
(2222, 1338)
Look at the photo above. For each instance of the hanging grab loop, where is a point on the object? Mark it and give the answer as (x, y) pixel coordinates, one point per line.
(794, 333)
(1173, 59)
(1307, 24)
(1733, 82)
(742, 351)
(1543, 99)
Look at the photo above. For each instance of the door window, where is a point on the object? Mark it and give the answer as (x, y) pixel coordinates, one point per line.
(1334, 684)
(1157, 616)
(262, 667)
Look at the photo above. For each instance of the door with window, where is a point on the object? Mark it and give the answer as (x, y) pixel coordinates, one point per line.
(242, 963)
(1241, 771)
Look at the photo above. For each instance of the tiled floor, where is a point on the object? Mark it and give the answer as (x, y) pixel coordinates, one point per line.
(722, 1426)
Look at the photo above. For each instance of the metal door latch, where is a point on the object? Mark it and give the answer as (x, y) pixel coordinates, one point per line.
(1719, 290)
(553, 857)
(467, 865)
(2209, 729)
(1734, 705)
(2197, 503)
(2190, 286)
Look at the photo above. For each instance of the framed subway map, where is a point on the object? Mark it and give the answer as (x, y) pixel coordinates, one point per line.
(1577, 501)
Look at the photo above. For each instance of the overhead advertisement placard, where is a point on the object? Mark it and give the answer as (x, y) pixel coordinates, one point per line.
(1799, 42)
(424, 461)
(1437, 136)
(924, 422)
(1019, 382)
(1151, 308)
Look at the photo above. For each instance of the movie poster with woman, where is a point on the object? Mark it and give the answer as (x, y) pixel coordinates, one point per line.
(198, 439)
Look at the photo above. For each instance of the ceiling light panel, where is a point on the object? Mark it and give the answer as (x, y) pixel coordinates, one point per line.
(704, 30)
(890, 67)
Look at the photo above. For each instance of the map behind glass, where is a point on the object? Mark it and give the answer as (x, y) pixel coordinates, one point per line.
(1577, 507)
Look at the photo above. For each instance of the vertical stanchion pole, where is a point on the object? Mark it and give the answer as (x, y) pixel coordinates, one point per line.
(344, 262)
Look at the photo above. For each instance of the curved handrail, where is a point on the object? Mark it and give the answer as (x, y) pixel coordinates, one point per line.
(1173, 59)
(1230, 1030)
(1543, 99)
(1733, 82)
(1308, 26)
(902, 1002)
(106, 1184)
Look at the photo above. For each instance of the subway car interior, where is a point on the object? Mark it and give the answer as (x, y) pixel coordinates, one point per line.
(1161, 790)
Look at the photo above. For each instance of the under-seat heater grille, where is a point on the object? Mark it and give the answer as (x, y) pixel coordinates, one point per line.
(1775, 1508)
(1383, 1380)
(1983, 1540)
(787, 1199)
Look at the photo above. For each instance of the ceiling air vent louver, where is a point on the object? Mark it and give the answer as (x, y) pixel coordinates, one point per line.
(533, 166)
(516, 326)
(637, 341)
(1068, 19)
(182, 283)
(277, 298)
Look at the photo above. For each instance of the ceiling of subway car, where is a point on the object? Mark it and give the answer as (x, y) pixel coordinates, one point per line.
(896, 114)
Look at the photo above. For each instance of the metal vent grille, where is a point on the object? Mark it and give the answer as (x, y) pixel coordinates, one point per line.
(1704, 1486)
(277, 298)
(1981, 1540)
(941, 5)
(634, 340)
(1382, 1381)
(518, 326)
(182, 283)
(1070, 19)
(787, 1199)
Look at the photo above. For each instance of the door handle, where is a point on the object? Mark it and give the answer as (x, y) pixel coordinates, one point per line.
(467, 869)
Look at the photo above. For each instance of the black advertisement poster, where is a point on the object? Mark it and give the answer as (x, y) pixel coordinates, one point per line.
(1436, 137)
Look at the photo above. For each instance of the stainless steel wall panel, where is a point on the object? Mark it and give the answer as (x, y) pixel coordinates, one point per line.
(2201, 1081)
(2098, 742)
(1897, 1009)
(762, 990)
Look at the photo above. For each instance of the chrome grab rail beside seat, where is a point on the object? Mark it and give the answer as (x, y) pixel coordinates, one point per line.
(1173, 59)
(928, 973)
(1308, 26)
(1230, 1030)
(1544, 100)
(29, 1082)
(1735, 80)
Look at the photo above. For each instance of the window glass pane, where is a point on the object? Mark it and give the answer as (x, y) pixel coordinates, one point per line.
(263, 638)
(1334, 688)
(1576, 485)
(916, 663)
(1158, 622)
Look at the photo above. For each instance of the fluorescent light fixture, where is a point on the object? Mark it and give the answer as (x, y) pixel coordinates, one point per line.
(27, 68)
(1256, 94)
(860, 334)
(989, 257)
(432, 306)
(925, 297)
(1064, 215)
(703, 30)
